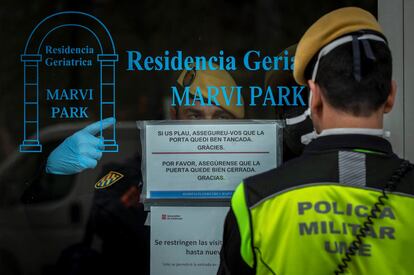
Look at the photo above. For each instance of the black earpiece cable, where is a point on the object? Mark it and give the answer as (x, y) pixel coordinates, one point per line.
(391, 185)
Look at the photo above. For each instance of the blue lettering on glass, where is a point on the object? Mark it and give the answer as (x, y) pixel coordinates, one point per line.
(106, 56)
(277, 96)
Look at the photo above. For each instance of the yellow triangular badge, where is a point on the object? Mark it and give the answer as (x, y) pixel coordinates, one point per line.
(108, 180)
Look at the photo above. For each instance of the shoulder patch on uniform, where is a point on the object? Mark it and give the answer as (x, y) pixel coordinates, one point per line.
(108, 180)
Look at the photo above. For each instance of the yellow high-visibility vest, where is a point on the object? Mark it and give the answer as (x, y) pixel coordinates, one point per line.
(308, 228)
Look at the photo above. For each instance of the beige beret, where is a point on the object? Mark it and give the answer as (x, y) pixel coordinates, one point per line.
(327, 29)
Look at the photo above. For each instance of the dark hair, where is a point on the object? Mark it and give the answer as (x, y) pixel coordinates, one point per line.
(340, 88)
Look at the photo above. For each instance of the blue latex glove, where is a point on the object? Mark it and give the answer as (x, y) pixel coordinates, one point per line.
(78, 152)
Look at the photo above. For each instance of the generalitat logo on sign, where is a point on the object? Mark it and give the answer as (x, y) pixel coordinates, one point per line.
(66, 102)
(165, 217)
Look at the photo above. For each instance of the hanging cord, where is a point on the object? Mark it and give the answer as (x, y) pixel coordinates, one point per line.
(391, 185)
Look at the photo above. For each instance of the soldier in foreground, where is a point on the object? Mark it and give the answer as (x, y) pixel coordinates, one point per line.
(345, 205)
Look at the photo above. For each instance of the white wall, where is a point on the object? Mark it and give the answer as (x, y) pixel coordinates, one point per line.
(394, 17)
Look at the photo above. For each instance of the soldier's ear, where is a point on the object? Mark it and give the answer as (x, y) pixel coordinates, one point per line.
(316, 102)
(389, 103)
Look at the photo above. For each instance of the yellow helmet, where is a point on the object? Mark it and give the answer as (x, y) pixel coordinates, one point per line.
(218, 78)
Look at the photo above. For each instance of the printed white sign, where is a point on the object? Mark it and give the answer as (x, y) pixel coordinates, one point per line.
(206, 160)
(186, 240)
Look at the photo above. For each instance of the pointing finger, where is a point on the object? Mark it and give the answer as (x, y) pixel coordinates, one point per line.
(95, 127)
